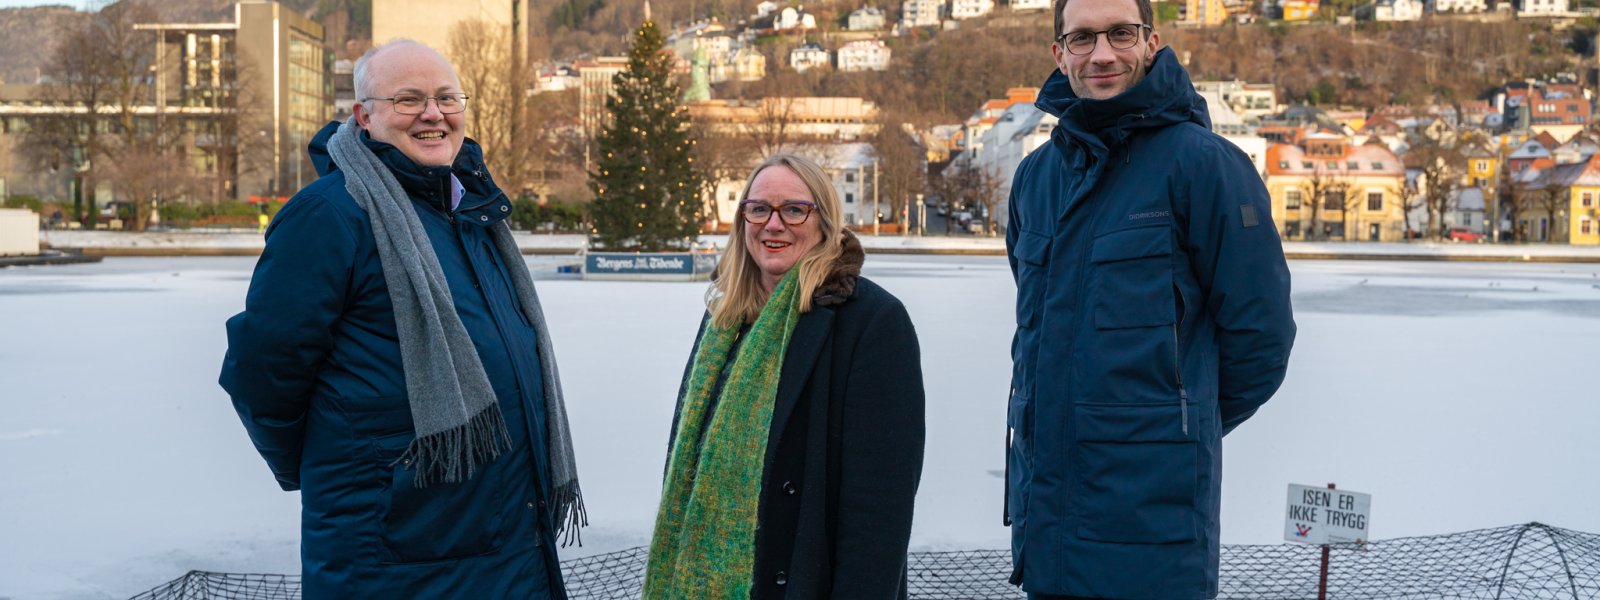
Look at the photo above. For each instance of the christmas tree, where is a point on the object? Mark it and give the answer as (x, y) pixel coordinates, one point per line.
(644, 182)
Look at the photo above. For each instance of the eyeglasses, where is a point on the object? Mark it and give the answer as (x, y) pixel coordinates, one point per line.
(408, 104)
(1121, 37)
(793, 212)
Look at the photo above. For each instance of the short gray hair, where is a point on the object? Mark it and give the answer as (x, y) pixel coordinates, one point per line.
(363, 85)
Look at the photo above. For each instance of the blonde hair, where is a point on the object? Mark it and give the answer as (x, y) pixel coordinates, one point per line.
(736, 297)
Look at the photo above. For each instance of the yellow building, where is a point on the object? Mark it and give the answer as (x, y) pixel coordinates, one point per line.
(1299, 10)
(1577, 220)
(1482, 168)
(1205, 12)
(1326, 188)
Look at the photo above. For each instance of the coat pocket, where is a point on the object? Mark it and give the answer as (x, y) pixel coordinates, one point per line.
(443, 521)
(1137, 474)
(1033, 273)
(1019, 455)
(1131, 283)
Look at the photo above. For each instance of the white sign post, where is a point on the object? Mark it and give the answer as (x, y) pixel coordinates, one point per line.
(1323, 515)
(1326, 516)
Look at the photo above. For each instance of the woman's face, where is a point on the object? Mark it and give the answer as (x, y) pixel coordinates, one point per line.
(777, 244)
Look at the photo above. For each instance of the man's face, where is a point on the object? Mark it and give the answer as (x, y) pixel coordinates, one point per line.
(1105, 71)
(431, 138)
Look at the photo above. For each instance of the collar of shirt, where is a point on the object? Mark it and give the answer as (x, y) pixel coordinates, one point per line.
(456, 191)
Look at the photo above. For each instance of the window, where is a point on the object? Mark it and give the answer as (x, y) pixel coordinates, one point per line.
(1377, 166)
(1374, 201)
(733, 196)
(1292, 199)
(1333, 199)
(1483, 166)
(849, 177)
(1306, 164)
(1352, 165)
(1588, 199)
(1587, 225)
(849, 198)
(1291, 229)
(1283, 164)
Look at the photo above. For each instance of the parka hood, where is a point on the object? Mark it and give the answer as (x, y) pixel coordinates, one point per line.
(1165, 96)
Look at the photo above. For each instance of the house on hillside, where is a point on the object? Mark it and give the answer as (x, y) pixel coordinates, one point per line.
(866, 18)
(808, 56)
(921, 13)
(863, 55)
(970, 9)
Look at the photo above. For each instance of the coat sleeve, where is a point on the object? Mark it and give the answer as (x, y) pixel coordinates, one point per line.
(1238, 260)
(277, 345)
(880, 460)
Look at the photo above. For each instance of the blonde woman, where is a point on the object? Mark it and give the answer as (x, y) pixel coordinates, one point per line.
(797, 443)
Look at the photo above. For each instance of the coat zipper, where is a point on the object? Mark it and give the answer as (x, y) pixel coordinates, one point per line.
(1177, 364)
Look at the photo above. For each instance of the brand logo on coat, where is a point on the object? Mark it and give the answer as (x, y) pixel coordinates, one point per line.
(1154, 214)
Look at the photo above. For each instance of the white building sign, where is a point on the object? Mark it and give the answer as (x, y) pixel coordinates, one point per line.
(1320, 515)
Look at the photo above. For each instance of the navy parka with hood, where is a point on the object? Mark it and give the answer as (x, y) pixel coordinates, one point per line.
(314, 369)
(1153, 317)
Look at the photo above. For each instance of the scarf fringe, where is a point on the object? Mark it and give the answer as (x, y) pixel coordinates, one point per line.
(454, 454)
(570, 514)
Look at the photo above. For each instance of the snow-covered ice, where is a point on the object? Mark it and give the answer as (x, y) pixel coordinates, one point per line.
(1460, 395)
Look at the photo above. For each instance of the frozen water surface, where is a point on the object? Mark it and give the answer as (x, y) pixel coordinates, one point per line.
(1460, 395)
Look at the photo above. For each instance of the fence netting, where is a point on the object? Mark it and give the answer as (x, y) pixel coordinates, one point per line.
(1532, 561)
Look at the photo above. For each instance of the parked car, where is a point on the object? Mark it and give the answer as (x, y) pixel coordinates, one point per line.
(1462, 234)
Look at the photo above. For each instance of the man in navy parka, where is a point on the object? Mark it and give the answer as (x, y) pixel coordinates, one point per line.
(316, 372)
(1153, 317)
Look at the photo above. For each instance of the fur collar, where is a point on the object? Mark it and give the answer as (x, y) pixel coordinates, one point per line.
(841, 281)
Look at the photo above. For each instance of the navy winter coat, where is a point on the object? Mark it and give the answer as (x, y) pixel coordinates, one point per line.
(1152, 317)
(314, 369)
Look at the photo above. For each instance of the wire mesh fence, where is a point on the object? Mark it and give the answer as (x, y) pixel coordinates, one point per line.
(1520, 562)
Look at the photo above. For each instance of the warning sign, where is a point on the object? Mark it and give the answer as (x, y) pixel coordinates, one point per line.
(1320, 515)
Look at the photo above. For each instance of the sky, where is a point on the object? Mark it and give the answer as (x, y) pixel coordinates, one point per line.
(1459, 395)
(18, 3)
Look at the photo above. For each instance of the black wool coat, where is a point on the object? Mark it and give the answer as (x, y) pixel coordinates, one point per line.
(844, 455)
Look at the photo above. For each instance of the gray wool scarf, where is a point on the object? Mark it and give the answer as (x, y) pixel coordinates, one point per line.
(454, 409)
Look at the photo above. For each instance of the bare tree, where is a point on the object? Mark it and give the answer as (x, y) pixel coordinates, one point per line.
(902, 163)
(774, 126)
(1440, 163)
(98, 75)
(1327, 189)
(719, 157)
(488, 62)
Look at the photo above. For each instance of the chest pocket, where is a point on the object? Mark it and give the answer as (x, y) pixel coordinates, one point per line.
(1033, 258)
(1132, 279)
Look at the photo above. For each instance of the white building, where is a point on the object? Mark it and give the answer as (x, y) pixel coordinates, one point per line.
(766, 8)
(864, 55)
(1030, 4)
(921, 13)
(1457, 6)
(1391, 10)
(749, 64)
(850, 166)
(808, 56)
(1541, 8)
(791, 18)
(970, 9)
(869, 18)
(1251, 101)
(999, 149)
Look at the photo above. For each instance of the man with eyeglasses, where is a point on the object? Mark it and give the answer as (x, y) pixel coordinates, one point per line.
(393, 363)
(1153, 317)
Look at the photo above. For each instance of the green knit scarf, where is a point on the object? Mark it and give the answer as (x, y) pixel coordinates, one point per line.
(704, 542)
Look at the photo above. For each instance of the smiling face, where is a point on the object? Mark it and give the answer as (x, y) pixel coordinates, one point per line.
(431, 138)
(1106, 71)
(777, 246)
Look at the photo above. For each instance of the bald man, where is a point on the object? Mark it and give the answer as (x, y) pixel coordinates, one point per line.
(392, 362)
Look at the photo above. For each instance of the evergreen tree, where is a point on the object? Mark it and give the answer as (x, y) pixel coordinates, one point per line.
(645, 184)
